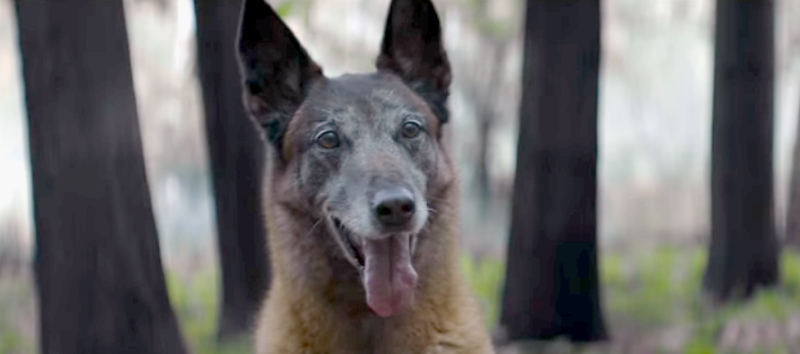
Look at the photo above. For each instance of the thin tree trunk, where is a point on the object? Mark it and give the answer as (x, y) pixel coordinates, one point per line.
(484, 101)
(237, 161)
(552, 286)
(793, 209)
(484, 181)
(98, 269)
(743, 251)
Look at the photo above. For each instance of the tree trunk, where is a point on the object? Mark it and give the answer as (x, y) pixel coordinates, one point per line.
(744, 251)
(484, 101)
(98, 269)
(237, 162)
(793, 209)
(552, 286)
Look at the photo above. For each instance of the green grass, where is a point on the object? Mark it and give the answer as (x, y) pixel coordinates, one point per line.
(195, 299)
(486, 279)
(16, 298)
(11, 341)
(653, 288)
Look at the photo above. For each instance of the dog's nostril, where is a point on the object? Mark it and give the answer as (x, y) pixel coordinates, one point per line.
(384, 210)
(394, 207)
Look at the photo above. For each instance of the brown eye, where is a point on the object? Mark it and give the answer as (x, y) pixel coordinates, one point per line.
(328, 140)
(411, 130)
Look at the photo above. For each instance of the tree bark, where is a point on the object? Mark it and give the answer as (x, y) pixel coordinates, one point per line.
(743, 251)
(552, 286)
(237, 162)
(98, 269)
(793, 209)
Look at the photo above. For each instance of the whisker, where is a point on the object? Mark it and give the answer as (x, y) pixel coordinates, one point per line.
(310, 231)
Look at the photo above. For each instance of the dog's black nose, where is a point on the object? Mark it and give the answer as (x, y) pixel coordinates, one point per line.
(393, 207)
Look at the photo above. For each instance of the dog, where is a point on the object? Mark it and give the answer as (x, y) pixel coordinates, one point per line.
(360, 193)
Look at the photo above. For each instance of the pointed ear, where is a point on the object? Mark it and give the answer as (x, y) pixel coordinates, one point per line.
(412, 49)
(276, 70)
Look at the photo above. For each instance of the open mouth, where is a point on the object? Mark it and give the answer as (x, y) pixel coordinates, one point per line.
(385, 265)
(352, 248)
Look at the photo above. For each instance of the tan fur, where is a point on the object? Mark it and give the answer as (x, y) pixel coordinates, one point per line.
(299, 317)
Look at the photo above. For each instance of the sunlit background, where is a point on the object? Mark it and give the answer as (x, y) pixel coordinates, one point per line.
(655, 120)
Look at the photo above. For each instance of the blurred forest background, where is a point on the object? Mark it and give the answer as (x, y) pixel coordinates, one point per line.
(655, 99)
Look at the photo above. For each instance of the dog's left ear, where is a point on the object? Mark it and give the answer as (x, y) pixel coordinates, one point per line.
(412, 49)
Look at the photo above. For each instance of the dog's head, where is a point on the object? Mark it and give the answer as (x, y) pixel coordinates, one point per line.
(364, 152)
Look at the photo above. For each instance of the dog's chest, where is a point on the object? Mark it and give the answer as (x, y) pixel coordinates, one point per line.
(375, 335)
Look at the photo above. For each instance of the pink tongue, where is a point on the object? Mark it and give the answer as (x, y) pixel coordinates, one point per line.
(389, 277)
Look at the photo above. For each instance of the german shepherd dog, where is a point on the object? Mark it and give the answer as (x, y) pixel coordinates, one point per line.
(360, 194)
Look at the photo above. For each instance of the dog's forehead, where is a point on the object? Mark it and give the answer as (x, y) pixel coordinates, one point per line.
(366, 97)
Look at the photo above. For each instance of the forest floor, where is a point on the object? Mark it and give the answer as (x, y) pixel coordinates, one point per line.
(651, 302)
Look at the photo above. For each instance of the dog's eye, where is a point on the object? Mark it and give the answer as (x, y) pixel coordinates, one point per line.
(328, 140)
(411, 130)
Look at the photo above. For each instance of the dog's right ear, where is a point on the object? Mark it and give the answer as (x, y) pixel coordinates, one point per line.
(413, 49)
(276, 70)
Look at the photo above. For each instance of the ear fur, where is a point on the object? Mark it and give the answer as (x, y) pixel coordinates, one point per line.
(412, 49)
(276, 70)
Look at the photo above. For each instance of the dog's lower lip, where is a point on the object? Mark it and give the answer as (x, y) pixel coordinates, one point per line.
(350, 244)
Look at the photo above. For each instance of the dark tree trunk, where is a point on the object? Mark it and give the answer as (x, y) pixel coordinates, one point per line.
(793, 209)
(98, 269)
(237, 162)
(743, 252)
(552, 286)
